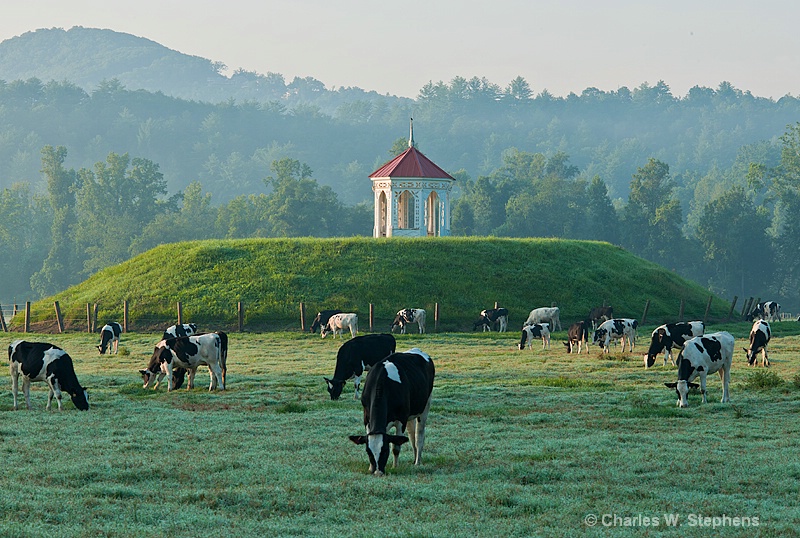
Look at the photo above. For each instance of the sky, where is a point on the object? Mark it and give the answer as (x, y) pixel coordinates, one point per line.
(397, 47)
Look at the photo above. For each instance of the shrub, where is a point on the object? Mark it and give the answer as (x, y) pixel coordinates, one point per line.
(763, 380)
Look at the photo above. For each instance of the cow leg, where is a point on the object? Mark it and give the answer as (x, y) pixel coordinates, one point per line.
(55, 389)
(170, 384)
(725, 376)
(190, 384)
(764, 358)
(398, 429)
(116, 347)
(14, 383)
(26, 390)
(703, 385)
(357, 385)
(418, 439)
(216, 377)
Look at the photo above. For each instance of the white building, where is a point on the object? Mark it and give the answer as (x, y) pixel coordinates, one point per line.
(412, 196)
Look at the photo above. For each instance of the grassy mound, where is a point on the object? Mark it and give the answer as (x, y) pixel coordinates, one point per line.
(464, 275)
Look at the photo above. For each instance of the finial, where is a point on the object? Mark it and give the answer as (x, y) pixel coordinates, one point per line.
(411, 133)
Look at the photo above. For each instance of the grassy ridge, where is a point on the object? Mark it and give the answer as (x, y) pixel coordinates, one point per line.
(464, 275)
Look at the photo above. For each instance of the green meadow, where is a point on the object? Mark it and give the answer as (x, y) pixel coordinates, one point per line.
(519, 443)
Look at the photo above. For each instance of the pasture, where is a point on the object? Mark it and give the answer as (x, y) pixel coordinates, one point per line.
(519, 443)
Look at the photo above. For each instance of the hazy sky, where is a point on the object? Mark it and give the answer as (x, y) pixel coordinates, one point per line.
(398, 46)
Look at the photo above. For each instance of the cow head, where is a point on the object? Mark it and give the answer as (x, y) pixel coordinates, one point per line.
(483, 322)
(335, 387)
(156, 367)
(599, 336)
(80, 398)
(682, 389)
(649, 360)
(377, 446)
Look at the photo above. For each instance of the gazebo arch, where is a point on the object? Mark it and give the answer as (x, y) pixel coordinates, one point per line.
(412, 196)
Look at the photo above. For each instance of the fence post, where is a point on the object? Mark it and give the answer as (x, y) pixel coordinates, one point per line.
(240, 315)
(646, 308)
(496, 305)
(733, 305)
(708, 308)
(3, 320)
(303, 316)
(94, 317)
(27, 316)
(746, 307)
(125, 315)
(371, 316)
(88, 318)
(680, 313)
(16, 310)
(436, 317)
(59, 319)
(180, 313)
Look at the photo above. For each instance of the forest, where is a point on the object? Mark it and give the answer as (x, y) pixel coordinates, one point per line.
(703, 184)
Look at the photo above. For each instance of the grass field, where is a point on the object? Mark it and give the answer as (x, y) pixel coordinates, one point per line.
(519, 443)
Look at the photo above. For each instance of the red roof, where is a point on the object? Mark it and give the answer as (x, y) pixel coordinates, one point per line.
(411, 163)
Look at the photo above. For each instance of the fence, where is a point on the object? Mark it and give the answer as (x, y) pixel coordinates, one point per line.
(238, 317)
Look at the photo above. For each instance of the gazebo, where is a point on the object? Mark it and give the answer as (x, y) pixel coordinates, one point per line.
(412, 196)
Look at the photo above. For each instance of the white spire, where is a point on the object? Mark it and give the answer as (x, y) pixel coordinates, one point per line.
(411, 133)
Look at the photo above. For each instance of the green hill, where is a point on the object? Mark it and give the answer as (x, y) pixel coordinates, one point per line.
(464, 275)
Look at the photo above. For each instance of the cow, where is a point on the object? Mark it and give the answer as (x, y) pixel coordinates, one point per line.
(39, 361)
(578, 334)
(600, 314)
(355, 356)
(337, 323)
(186, 352)
(700, 356)
(176, 331)
(322, 319)
(759, 338)
(615, 329)
(670, 335)
(491, 316)
(109, 337)
(406, 316)
(531, 332)
(768, 311)
(397, 392)
(551, 315)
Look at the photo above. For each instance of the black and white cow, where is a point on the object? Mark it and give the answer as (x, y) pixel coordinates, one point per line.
(38, 361)
(703, 355)
(532, 332)
(670, 335)
(337, 323)
(322, 319)
(397, 393)
(406, 316)
(176, 331)
(578, 334)
(616, 329)
(357, 355)
(599, 314)
(760, 335)
(491, 316)
(109, 337)
(549, 315)
(186, 352)
(768, 311)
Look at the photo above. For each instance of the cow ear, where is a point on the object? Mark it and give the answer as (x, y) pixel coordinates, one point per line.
(397, 440)
(143, 372)
(359, 439)
(329, 382)
(694, 385)
(671, 385)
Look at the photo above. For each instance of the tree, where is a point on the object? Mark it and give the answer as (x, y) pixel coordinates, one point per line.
(602, 221)
(519, 90)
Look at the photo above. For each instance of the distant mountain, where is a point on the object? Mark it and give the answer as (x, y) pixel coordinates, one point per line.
(88, 56)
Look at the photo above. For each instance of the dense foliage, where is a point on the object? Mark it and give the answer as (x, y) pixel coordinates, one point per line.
(90, 175)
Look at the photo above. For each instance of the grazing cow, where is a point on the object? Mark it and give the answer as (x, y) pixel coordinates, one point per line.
(355, 356)
(337, 323)
(38, 361)
(768, 311)
(578, 334)
(670, 335)
(616, 329)
(491, 316)
(109, 337)
(406, 316)
(176, 331)
(551, 315)
(186, 352)
(322, 319)
(600, 314)
(759, 338)
(397, 393)
(700, 356)
(530, 332)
